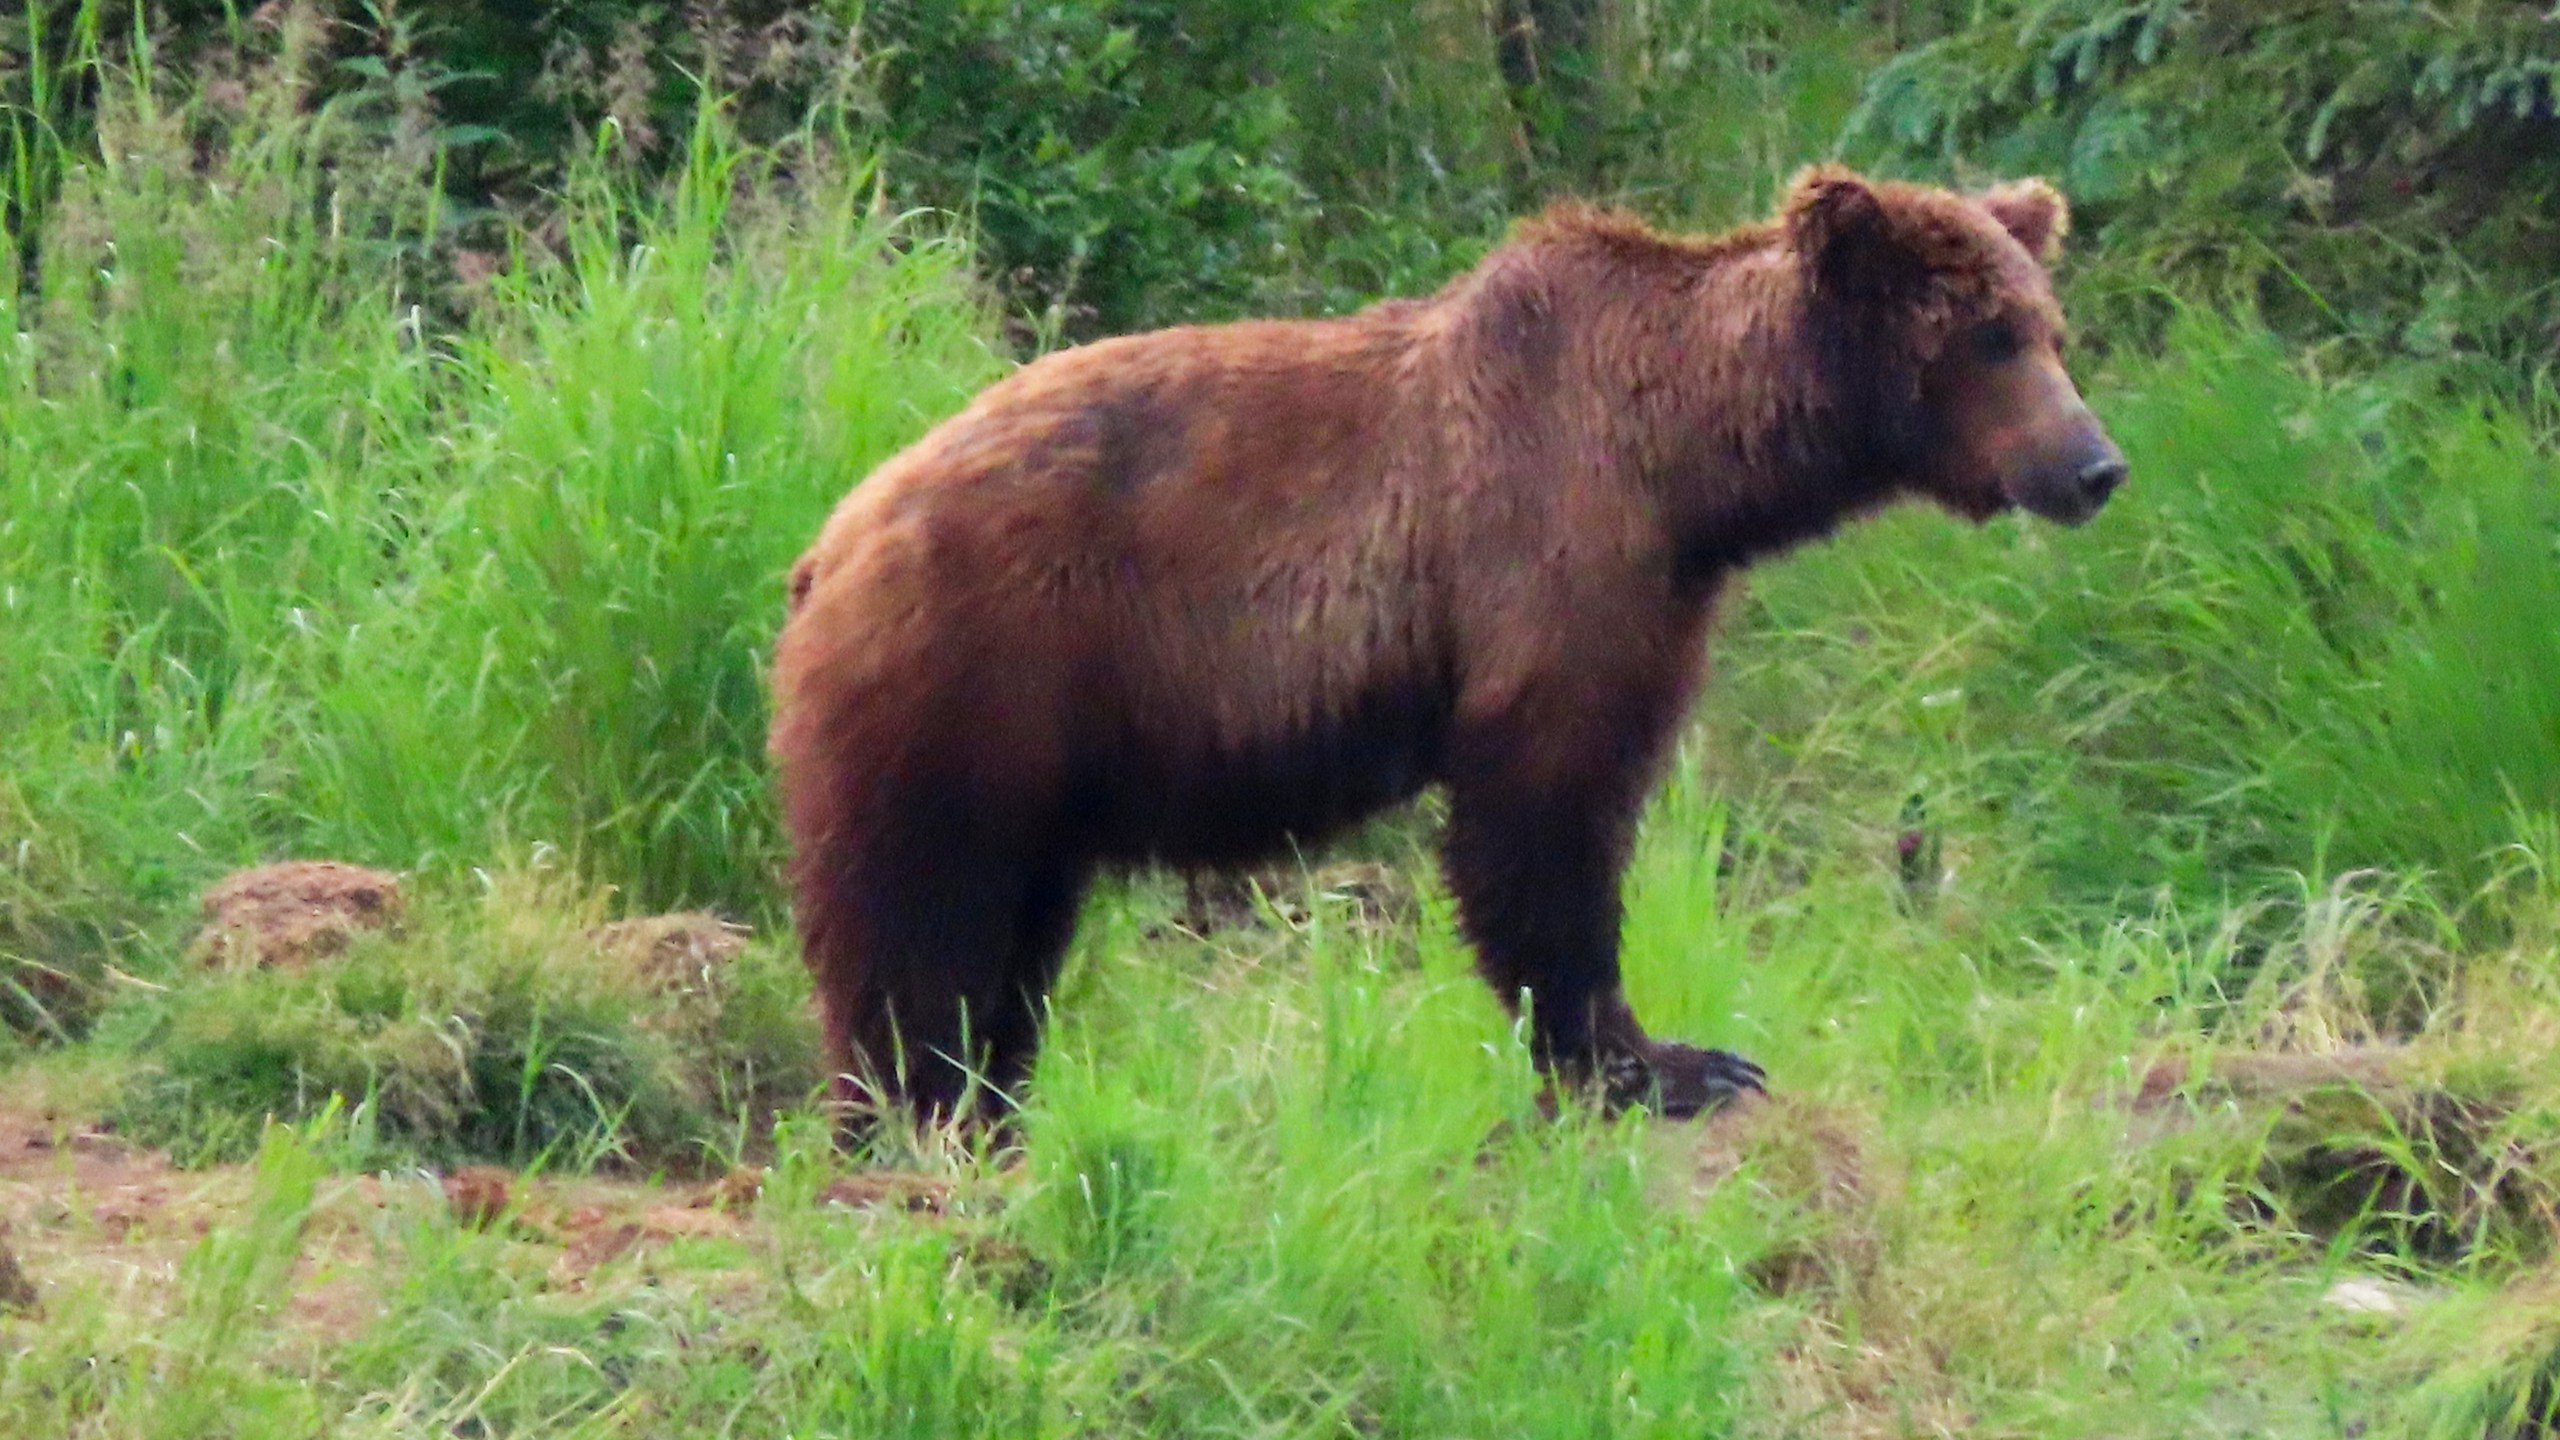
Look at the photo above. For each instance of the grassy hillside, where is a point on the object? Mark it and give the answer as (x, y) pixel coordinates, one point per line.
(2150, 929)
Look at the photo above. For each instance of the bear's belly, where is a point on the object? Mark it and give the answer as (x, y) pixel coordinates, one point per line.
(1155, 799)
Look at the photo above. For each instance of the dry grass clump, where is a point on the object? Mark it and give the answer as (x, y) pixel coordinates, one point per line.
(502, 1029)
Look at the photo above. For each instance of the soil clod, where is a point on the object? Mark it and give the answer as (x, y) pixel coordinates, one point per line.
(479, 1195)
(289, 915)
(735, 1193)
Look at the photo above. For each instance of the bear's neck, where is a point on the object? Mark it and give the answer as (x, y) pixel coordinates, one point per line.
(1708, 379)
(1768, 435)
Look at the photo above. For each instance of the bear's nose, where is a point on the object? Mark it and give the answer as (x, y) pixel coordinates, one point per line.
(2100, 480)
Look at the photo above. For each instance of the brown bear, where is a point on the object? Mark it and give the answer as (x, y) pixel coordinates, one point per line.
(1191, 596)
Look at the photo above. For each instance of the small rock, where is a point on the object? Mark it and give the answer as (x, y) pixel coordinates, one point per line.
(95, 1140)
(290, 914)
(2363, 1295)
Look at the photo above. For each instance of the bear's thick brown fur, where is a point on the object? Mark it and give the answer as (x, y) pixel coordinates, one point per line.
(1192, 595)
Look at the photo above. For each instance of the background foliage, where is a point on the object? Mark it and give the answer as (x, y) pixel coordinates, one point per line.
(2380, 171)
(2376, 171)
(407, 412)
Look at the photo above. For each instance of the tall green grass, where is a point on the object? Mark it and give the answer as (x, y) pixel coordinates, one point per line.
(315, 540)
(1287, 1182)
(653, 431)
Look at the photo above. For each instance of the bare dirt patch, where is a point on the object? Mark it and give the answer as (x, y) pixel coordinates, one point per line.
(83, 1209)
(613, 1224)
(82, 1206)
(288, 915)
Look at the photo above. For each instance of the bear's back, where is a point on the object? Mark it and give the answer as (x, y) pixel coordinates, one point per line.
(1206, 552)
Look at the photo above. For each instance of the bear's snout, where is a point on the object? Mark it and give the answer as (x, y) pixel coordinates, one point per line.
(2074, 484)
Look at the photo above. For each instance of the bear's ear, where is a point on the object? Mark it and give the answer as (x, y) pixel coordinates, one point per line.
(2032, 211)
(1846, 235)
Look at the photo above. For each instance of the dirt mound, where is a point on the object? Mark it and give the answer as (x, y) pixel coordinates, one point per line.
(2263, 1075)
(675, 953)
(1814, 1157)
(736, 1192)
(290, 914)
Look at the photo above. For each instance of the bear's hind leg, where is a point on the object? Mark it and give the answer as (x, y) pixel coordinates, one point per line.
(1045, 922)
(951, 1025)
(912, 939)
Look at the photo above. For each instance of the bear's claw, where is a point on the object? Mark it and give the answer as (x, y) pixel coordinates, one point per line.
(1688, 1080)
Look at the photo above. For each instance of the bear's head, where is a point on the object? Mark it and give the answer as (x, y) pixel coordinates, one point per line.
(1942, 315)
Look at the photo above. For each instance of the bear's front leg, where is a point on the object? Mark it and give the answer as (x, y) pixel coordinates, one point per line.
(1536, 878)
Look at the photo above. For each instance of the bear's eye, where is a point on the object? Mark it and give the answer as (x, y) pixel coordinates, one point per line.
(1995, 341)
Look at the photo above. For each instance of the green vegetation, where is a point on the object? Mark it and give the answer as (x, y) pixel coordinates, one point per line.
(2309, 642)
(294, 567)
(2152, 930)
(2376, 172)
(502, 1030)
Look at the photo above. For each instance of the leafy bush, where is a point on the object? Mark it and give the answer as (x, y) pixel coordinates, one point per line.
(1141, 162)
(2377, 170)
